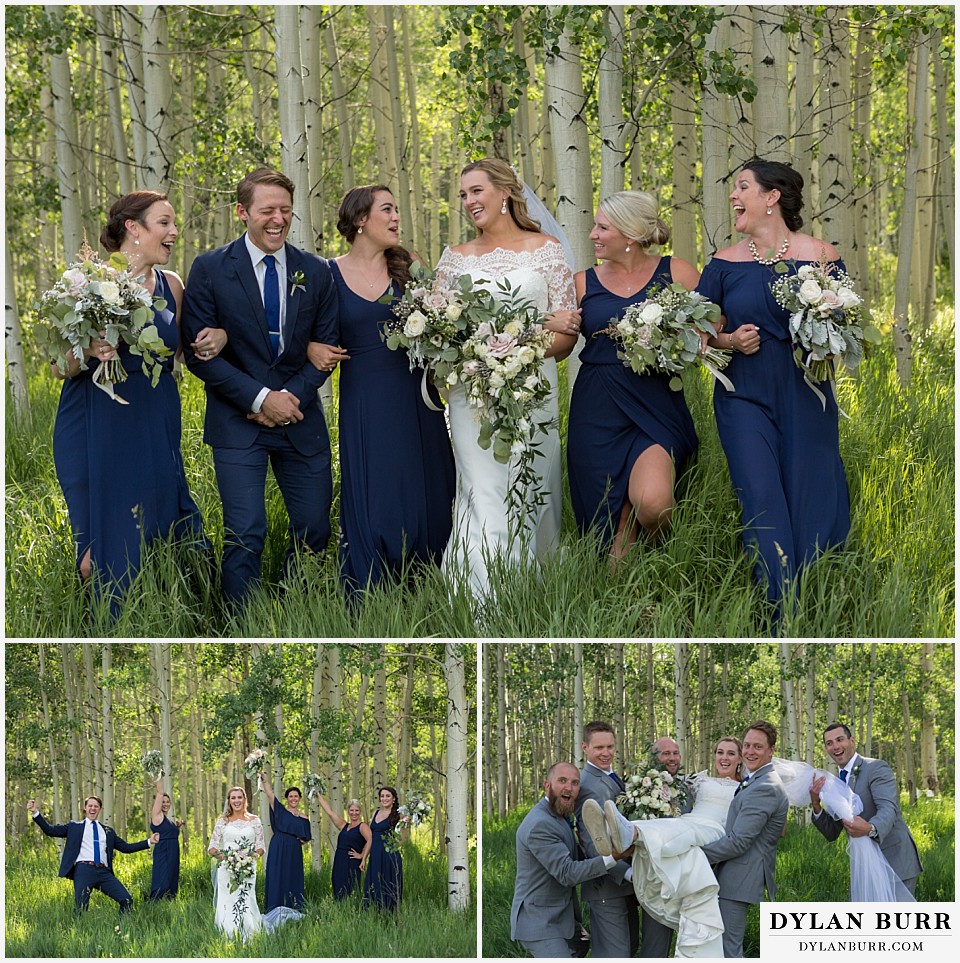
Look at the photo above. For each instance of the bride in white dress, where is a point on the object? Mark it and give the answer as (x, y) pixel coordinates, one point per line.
(671, 876)
(509, 246)
(237, 911)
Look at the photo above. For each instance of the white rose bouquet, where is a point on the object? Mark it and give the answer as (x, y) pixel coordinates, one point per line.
(240, 865)
(314, 785)
(91, 296)
(253, 764)
(651, 793)
(663, 334)
(416, 808)
(826, 320)
(152, 764)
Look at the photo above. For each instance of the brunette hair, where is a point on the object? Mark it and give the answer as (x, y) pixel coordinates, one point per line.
(838, 725)
(130, 207)
(262, 175)
(739, 746)
(634, 214)
(775, 176)
(767, 728)
(355, 206)
(596, 726)
(226, 803)
(394, 809)
(293, 789)
(503, 178)
(98, 799)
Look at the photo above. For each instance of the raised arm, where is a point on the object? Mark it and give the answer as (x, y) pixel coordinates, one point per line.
(58, 831)
(335, 817)
(267, 788)
(157, 815)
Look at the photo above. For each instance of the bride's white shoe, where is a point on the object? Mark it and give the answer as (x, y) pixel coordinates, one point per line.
(592, 816)
(621, 831)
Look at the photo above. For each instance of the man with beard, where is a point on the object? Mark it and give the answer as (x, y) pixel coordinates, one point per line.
(543, 916)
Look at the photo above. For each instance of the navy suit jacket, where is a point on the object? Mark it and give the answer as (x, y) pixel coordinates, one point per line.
(73, 833)
(222, 292)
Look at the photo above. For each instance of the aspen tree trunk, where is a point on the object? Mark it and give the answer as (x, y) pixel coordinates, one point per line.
(863, 229)
(253, 80)
(45, 704)
(929, 780)
(613, 128)
(578, 722)
(311, 31)
(681, 716)
(356, 772)
(619, 716)
(924, 259)
(523, 117)
(771, 117)
(458, 723)
(131, 34)
(902, 339)
(257, 650)
(686, 200)
(650, 714)
(502, 764)
(386, 148)
(162, 653)
(946, 165)
(434, 248)
(416, 229)
(487, 733)
(871, 693)
(810, 702)
(106, 34)
(380, 719)
(837, 201)
(436, 767)
(334, 687)
(455, 226)
(788, 697)
(406, 724)
(91, 721)
(13, 342)
(158, 99)
(339, 90)
(320, 830)
(910, 768)
(715, 117)
(293, 146)
(393, 103)
(106, 697)
(740, 33)
(69, 164)
(70, 699)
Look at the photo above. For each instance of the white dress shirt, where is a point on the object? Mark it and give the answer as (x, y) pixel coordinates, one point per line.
(260, 271)
(86, 844)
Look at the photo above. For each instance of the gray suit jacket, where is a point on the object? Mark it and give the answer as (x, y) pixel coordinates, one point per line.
(547, 872)
(876, 786)
(597, 785)
(747, 854)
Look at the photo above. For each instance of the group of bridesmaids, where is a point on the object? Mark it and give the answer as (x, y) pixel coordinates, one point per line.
(405, 500)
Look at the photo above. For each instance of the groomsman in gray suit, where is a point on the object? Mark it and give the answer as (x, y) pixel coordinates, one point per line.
(614, 923)
(543, 915)
(744, 860)
(874, 782)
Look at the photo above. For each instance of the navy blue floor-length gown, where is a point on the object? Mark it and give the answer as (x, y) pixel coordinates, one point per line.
(283, 882)
(396, 464)
(120, 466)
(165, 879)
(346, 871)
(616, 414)
(782, 448)
(383, 883)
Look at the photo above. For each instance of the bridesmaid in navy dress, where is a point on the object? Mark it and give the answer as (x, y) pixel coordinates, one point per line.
(396, 464)
(166, 853)
(120, 466)
(283, 882)
(353, 848)
(383, 884)
(782, 448)
(628, 434)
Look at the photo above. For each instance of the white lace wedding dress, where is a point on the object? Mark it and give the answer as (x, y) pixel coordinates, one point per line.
(671, 876)
(480, 524)
(236, 912)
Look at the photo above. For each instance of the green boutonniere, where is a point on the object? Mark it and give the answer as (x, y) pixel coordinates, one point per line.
(297, 283)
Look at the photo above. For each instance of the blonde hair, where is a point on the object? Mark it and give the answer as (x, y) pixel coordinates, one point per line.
(503, 178)
(226, 804)
(634, 214)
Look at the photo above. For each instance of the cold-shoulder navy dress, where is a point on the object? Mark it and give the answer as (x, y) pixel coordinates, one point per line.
(383, 884)
(283, 885)
(782, 448)
(616, 414)
(346, 871)
(396, 464)
(165, 879)
(120, 466)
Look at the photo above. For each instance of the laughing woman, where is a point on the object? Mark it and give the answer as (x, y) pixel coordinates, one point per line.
(353, 848)
(283, 883)
(166, 854)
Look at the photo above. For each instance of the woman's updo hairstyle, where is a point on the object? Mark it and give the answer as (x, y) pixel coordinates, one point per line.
(634, 214)
(130, 207)
(503, 178)
(775, 176)
(355, 206)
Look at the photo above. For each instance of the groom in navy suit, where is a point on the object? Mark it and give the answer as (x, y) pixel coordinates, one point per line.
(272, 299)
(88, 854)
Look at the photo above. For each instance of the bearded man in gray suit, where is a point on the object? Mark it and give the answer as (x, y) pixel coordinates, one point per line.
(614, 923)
(745, 859)
(874, 782)
(543, 915)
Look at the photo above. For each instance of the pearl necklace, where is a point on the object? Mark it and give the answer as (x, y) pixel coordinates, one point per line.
(768, 260)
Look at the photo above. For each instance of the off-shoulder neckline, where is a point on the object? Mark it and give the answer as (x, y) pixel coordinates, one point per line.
(507, 250)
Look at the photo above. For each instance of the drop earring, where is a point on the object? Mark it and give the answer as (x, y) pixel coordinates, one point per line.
(769, 211)
(359, 230)
(136, 241)
(627, 249)
(503, 206)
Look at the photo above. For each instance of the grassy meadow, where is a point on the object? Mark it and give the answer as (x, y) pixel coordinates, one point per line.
(40, 920)
(809, 869)
(894, 579)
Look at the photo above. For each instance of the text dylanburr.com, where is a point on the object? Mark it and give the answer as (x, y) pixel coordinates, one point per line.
(798, 931)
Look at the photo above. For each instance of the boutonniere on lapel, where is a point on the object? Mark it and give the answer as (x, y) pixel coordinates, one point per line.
(854, 773)
(297, 283)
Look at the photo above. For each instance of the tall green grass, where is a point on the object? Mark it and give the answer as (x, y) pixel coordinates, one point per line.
(809, 869)
(894, 579)
(40, 920)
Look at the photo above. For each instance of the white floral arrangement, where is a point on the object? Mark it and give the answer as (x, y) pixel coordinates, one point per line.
(662, 334)
(416, 808)
(650, 794)
(827, 321)
(93, 295)
(314, 785)
(241, 864)
(152, 764)
(253, 764)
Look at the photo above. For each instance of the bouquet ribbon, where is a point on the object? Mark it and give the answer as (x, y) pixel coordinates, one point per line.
(425, 392)
(719, 375)
(104, 379)
(811, 384)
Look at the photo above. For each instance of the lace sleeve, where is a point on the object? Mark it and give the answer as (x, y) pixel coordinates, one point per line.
(217, 838)
(447, 273)
(258, 842)
(562, 295)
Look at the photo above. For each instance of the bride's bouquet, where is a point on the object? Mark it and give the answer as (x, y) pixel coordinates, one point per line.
(253, 764)
(314, 785)
(826, 320)
(152, 764)
(93, 295)
(416, 808)
(663, 334)
(240, 865)
(651, 793)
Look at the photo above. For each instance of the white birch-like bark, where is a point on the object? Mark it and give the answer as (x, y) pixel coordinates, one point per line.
(681, 711)
(344, 141)
(45, 705)
(106, 35)
(395, 119)
(715, 117)
(458, 869)
(946, 167)
(132, 39)
(804, 109)
(106, 704)
(165, 693)
(488, 768)
(71, 699)
(311, 36)
(686, 200)
(380, 720)
(416, 232)
(578, 722)
(929, 780)
(158, 100)
(502, 764)
(13, 343)
(771, 117)
(613, 128)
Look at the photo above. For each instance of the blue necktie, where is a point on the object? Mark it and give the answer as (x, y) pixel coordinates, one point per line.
(743, 783)
(271, 302)
(843, 775)
(96, 844)
(618, 781)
